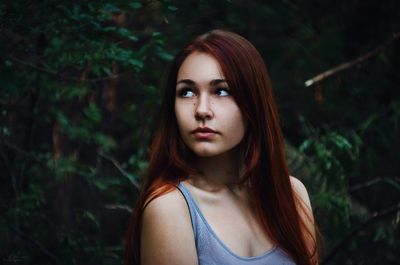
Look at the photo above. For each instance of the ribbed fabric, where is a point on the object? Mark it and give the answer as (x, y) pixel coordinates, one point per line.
(212, 251)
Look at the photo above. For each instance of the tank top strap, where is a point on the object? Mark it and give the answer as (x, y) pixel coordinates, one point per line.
(192, 206)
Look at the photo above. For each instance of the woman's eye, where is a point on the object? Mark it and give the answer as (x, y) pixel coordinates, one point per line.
(186, 93)
(222, 92)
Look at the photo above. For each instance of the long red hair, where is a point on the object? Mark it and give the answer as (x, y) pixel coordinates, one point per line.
(266, 172)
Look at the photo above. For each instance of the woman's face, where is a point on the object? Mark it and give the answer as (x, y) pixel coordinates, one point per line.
(209, 120)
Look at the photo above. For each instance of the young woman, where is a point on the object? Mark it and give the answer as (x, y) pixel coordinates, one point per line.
(217, 187)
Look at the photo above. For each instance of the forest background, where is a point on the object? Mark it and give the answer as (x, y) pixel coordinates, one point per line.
(80, 89)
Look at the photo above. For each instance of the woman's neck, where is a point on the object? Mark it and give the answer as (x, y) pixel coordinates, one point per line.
(218, 171)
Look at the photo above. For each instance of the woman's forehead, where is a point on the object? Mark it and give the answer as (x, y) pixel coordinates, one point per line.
(200, 68)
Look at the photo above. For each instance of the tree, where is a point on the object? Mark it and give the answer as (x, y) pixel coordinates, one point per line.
(80, 88)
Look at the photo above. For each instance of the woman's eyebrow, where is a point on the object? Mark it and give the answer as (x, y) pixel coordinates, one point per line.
(217, 81)
(186, 81)
(213, 82)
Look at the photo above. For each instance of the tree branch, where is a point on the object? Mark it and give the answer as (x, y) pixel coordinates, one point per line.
(349, 64)
(36, 67)
(390, 180)
(131, 178)
(374, 217)
(60, 75)
(118, 207)
(106, 78)
(22, 152)
(37, 244)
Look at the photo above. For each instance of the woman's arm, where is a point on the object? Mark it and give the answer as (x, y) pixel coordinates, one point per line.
(306, 214)
(167, 235)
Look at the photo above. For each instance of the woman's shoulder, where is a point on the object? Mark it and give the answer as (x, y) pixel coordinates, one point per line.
(305, 211)
(300, 190)
(167, 205)
(166, 234)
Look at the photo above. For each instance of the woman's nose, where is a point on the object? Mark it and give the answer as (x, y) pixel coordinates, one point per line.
(203, 108)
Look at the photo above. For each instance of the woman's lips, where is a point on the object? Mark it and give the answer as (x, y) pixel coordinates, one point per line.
(203, 133)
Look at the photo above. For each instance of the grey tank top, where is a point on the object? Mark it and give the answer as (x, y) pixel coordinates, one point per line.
(212, 251)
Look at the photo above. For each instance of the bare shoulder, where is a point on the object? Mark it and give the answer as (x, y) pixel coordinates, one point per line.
(172, 200)
(307, 217)
(167, 235)
(305, 208)
(301, 191)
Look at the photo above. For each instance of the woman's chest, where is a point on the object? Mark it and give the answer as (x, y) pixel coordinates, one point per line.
(234, 224)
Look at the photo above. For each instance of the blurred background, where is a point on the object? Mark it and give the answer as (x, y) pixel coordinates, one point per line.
(80, 89)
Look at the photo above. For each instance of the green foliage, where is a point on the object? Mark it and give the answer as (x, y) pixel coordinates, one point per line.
(59, 68)
(80, 87)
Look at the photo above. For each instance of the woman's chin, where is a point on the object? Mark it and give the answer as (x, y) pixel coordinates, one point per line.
(208, 152)
(205, 153)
